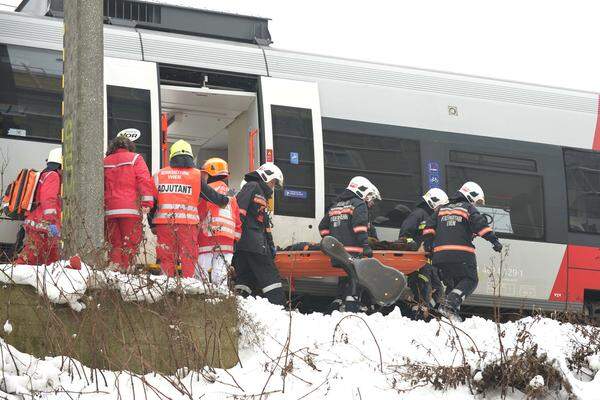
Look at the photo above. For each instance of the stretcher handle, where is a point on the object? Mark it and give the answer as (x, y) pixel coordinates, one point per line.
(334, 249)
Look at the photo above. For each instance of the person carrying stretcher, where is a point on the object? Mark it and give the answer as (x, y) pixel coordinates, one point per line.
(453, 227)
(347, 220)
(424, 283)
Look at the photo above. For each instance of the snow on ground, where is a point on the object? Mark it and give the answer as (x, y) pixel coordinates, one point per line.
(338, 356)
(64, 285)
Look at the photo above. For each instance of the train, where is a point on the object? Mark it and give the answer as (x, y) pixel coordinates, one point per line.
(322, 120)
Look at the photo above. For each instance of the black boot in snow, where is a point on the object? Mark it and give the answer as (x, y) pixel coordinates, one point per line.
(351, 304)
(450, 308)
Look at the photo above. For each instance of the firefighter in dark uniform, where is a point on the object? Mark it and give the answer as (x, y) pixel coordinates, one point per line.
(424, 283)
(453, 228)
(255, 251)
(348, 221)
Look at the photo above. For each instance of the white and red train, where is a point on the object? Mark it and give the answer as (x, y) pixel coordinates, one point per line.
(324, 120)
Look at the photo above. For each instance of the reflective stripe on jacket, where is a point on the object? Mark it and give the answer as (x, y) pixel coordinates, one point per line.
(220, 227)
(127, 185)
(178, 196)
(452, 228)
(347, 220)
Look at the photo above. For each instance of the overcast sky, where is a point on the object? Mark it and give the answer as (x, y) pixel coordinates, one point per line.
(546, 42)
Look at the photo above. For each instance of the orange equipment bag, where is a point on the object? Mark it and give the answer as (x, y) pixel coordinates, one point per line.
(19, 195)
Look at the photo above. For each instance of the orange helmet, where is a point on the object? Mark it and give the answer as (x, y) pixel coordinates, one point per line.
(216, 167)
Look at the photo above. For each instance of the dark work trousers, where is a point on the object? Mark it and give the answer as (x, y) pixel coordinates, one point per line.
(426, 286)
(437, 294)
(461, 281)
(258, 272)
(345, 287)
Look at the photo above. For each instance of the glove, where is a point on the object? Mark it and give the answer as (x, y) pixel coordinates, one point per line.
(273, 251)
(428, 247)
(53, 230)
(412, 245)
(497, 246)
(367, 252)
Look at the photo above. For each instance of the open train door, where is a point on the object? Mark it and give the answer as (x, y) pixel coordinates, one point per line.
(293, 139)
(131, 104)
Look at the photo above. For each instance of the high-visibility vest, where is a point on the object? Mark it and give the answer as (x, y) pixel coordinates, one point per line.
(178, 196)
(221, 221)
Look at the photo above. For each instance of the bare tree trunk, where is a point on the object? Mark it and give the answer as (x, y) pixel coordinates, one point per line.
(83, 129)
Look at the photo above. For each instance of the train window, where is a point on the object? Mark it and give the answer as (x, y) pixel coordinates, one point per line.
(129, 108)
(515, 201)
(294, 154)
(392, 164)
(583, 190)
(488, 160)
(30, 93)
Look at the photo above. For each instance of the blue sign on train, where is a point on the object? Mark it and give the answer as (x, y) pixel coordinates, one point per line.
(433, 174)
(296, 194)
(294, 158)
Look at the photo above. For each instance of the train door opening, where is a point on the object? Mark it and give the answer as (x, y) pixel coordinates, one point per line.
(217, 121)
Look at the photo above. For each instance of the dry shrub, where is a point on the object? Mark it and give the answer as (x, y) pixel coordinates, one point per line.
(517, 371)
(513, 373)
(439, 376)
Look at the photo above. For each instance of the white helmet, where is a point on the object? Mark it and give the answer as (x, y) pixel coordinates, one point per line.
(269, 171)
(55, 156)
(435, 197)
(473, 193)
(364, 189)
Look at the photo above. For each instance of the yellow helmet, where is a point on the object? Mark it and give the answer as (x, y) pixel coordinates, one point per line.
(216, 167)
(181, 147)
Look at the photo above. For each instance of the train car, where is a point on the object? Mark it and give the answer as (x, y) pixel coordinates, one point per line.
(324, 120)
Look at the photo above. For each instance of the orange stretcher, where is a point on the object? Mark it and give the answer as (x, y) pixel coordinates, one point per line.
(313, 263)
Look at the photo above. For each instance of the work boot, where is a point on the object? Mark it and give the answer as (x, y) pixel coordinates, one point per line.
(351, 304)
(336, 305)
(454, 300)
(450, 308)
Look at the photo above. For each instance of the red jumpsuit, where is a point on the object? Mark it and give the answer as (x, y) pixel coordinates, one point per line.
(127, 187)
(40, 246)
(176, 218)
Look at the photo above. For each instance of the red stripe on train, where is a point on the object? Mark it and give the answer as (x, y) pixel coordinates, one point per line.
(579, 270)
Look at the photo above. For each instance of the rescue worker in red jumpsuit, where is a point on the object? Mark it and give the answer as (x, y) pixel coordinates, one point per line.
(128, 194)
(176, 220)
(220, 228)
(42, 223)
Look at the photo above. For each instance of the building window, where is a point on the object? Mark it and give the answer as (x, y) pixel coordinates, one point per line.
(582, 170)
(30, 93)
(515, 201)
(392, 164)
(294, 154)
(130, 108)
